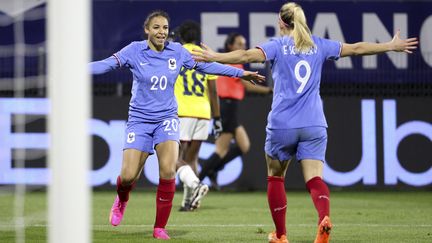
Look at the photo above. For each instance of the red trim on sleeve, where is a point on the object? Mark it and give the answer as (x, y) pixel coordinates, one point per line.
(118, 60)
(340, 49)
(265, 55)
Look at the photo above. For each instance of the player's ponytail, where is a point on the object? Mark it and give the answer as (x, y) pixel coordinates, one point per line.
(292, 16)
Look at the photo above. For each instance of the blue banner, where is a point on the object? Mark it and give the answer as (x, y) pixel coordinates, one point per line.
(117, 23)
(377, 143)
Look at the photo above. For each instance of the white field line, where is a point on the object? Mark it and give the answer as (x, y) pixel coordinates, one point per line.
(106, 226)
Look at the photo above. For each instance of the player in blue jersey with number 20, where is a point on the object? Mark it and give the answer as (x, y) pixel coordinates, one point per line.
(153, 123)
(296, 122)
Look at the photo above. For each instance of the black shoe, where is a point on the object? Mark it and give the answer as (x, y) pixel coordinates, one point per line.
(185, 208)
(213, 179)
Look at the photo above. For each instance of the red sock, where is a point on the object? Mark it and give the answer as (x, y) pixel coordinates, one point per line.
(320, 196)
(277, 202)
(123, 191)
(164, 198)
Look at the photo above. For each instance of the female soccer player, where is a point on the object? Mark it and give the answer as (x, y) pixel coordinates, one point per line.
(296, 122)
(230, 91)
(197, 103)
(153, 123)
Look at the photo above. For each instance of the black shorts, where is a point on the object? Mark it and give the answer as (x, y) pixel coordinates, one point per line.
(228, 110)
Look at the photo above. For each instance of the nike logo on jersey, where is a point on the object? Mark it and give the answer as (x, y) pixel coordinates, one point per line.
(144, 63)
(163, 200)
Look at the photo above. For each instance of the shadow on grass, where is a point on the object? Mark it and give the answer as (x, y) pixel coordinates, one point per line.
(133, 235)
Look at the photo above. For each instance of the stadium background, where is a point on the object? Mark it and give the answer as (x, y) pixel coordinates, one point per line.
(378, 109)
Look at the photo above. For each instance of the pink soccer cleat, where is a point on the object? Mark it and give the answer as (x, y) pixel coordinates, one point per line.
(161, 234)
(117, 211)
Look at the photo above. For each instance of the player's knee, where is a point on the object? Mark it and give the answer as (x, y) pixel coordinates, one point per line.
(244, 146)
(221, 152)
(245, 149)
(276, 172)
(167, 173)
(127, 178)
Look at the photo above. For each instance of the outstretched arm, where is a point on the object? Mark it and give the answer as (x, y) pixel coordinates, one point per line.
(103, 66)
(257, 89)
(239, 56)
(225, 70)
(220, 69)
(367, 48)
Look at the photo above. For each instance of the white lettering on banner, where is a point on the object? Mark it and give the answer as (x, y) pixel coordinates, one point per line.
(325, 23)
(229, 174)
(426, 41)
(366, 170)
(258, 24)
(112, 133)
(393, 135)
(211, 22)
(375, 31)
(328, 23)
(10, 140)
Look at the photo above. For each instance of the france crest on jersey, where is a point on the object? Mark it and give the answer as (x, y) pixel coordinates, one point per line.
(172, 64)
(297, 76)
(154, 76)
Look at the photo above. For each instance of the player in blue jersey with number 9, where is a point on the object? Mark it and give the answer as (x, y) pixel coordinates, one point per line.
(296, 122)
(153, 123)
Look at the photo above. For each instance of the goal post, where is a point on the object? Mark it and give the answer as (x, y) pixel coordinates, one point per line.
(69, 194)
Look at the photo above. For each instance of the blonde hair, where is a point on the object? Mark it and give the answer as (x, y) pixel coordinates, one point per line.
(292, 16)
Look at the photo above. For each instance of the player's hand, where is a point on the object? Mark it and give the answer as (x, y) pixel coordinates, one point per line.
(399, 45)
(217, 127)
(253, 77)
(206, 54)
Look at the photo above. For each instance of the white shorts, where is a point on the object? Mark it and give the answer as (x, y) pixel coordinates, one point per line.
(194, 129)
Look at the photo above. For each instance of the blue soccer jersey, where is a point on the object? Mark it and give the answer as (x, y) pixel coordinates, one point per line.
(154, 76)
(296, 100)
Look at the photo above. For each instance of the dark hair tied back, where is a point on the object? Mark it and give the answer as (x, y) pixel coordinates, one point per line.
(230, 40)
(189, 32)
(153, 14)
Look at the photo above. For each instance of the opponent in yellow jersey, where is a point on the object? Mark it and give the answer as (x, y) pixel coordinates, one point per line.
(192, 90)
(197, 103)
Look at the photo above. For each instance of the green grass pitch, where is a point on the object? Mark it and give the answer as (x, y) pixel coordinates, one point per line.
(243, 217)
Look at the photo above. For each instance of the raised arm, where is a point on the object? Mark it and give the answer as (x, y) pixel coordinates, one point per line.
(239, 56)
(367, 48)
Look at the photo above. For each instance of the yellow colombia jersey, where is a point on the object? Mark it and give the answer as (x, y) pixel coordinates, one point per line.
(191, 91)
